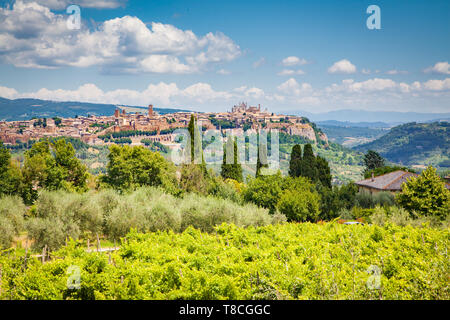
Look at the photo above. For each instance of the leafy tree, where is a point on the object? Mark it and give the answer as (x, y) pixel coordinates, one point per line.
(333, 200)
(295, 162)
(130, 167)
(373, 160)
(264, 191)
(232, 170)
(299, 201)
(12, 212)
(10, 173)
(425, 195)
(193, 179)
(53, 166)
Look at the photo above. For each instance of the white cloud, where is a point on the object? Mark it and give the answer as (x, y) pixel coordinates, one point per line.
(62, 4)
(440, 67)
(293, 61)
(292, 87)
(33, 36)
(437, 85)
(365, 71)
(373, 93)
(289, 72)
(342, 66)
(8, 93)
(255, 93)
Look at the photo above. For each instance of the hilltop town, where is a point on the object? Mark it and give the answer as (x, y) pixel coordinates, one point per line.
(98, 130)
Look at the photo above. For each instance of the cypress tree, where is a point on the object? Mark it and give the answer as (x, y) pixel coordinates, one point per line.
(324, 172)
(196, 143)
(262, 154)
(308, 164)
(234, 170)
(295, 162)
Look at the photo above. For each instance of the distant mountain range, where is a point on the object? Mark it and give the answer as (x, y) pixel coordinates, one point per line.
(389, 117)
(24, 109)
(414, 144)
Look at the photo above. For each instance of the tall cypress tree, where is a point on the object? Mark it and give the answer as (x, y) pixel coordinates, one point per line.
(233, 170)
(324, 172)
(295, 162)
(308, 163)
(196, 143)
(262, 154)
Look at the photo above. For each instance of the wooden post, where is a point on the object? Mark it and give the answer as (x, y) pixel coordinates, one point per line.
(88, 244)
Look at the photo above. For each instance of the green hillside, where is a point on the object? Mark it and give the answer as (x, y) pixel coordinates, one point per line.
(414, 144)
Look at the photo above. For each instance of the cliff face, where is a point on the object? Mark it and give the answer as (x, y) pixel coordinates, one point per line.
(304, 130)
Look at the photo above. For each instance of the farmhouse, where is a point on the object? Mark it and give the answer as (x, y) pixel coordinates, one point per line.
(391, 182)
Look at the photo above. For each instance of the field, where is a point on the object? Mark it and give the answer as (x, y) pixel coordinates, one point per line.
(283, 261)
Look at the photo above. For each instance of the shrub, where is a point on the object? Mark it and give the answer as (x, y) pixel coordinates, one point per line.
(299, 205)
(426, 195)
(12, 211)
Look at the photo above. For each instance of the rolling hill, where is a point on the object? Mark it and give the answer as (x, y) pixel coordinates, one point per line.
(24, 109)
(414, 144)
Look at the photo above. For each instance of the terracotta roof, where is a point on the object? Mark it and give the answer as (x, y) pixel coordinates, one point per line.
(389, 181)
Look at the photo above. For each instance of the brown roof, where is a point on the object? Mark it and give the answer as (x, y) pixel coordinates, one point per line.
(390, 181)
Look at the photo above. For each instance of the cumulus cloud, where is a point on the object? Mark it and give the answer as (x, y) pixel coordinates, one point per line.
(292, 87)
(33, 36)
(440, 67)
(342, 66)
(289, 72)
(437, 85)
(293, 61)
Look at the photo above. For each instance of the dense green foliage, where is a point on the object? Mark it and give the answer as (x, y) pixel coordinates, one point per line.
(12, 211)
(58, 215)
(52, 165)
(426, 195)
(287, 261)
(296, 198)
(10, 174)
(414, 143)
(309, 166)
(131, 167)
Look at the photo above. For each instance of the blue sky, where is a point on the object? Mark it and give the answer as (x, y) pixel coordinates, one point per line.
(315, 56)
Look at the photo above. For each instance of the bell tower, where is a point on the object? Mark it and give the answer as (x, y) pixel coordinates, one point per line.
(150, 110)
